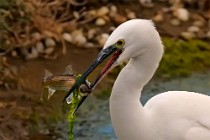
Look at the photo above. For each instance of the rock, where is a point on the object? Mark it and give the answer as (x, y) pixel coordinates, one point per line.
(14, 53)
(67, 37)
(92, 13)
(112, 28)
(113, 9)
(158, 17)
(182, 14)
(193, 29)
(91, 33)
(131, 14)
(102, 11)
(102, 39)
(100, 22)
(112, 14)
(187, 35)
(78, 38)
(34, 54)
(7, 42)
(49, 42)
(119, 19)
(175, 22)
(34, 51)
(147, 3)
(49, 50)
(76, 15)
(36, 36)
(89, 45)
(198, 23)
(40, 47)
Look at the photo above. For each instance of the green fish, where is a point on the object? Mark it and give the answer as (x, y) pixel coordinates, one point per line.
(62, 82)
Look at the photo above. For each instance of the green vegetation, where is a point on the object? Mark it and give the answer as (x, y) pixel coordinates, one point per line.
(71, 115)
(103, 94)
(181, 58)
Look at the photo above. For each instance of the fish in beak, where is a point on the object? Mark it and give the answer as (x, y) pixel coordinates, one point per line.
(81, 83)
(57, 82)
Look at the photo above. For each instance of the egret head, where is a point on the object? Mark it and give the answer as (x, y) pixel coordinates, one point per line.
(134, 38)
(129, 40)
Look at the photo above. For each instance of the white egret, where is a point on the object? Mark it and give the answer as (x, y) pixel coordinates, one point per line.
(173, 115)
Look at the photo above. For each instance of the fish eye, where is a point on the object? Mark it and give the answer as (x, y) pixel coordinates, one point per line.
(120, 43)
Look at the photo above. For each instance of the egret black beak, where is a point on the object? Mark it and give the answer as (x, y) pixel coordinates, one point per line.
(82, 80)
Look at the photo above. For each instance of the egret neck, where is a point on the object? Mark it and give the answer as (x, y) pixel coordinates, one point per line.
(125, 107)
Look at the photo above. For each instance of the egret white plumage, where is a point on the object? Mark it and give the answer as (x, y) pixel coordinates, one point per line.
(173, 115)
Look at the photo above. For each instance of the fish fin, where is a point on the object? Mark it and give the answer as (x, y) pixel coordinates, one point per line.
(50, 92)
(47, 74)
(68, 70)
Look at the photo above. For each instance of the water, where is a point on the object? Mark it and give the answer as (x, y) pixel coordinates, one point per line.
(196, 83)
(96, 124)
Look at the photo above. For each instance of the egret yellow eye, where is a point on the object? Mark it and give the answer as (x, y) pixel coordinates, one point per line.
(120, 43)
